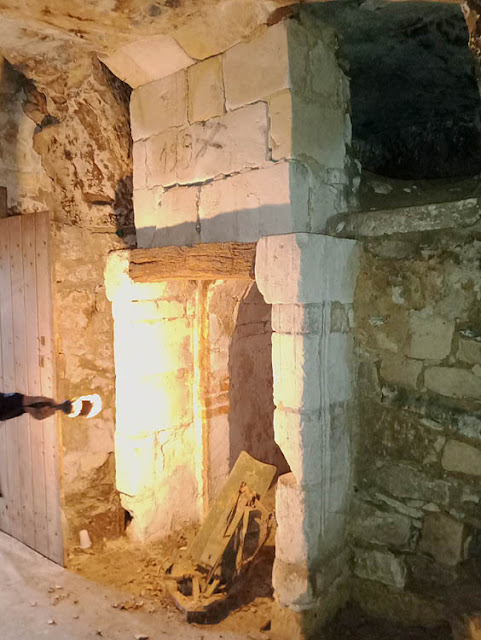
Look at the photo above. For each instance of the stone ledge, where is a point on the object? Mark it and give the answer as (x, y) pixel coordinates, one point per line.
(428, 217)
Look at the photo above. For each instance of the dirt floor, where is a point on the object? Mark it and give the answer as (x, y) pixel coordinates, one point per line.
(39, 600)
(138, 571)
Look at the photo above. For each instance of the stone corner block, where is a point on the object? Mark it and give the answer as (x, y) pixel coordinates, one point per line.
(306, 268)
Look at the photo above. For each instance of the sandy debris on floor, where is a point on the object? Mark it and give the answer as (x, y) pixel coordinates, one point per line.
(138, 569)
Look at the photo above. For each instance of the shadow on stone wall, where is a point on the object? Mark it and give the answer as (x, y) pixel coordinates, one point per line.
(251, 418)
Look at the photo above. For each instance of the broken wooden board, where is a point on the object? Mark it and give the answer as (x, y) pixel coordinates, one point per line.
(211, 541)
(209, 609)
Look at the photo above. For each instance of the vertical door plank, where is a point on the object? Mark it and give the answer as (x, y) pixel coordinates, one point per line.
(50, 426)
(4, 379)
(37, 461)
(21, 378)
(8, 357)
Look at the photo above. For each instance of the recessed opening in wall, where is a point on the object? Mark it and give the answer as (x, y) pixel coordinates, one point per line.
(415, 104)
(251, 416)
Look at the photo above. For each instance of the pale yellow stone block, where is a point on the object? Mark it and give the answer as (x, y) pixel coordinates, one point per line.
(206, 90)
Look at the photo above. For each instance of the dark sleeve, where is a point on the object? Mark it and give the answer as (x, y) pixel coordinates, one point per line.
(11, 405)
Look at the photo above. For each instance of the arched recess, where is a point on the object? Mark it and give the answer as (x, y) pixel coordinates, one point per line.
(238, 390)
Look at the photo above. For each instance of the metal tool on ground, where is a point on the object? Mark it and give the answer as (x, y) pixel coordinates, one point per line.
(84, 406)
(234, 532)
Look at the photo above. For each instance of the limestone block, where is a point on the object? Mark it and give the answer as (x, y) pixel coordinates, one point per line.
(164, 218)
(296, 368)
(469, 351)
(159, 105)
(380, 566)
(177, 217)
(318, 452)
(150, 346)
(214, 27)
(147, 204)
(206, 90)
(453, 382)
(321, 133)
(292, 585)
(426, 217)
(326, 79)
(224, 145)
(247, 206)
(430, 336)
(461, 458)
(280, 116)
(148, 59)
(139, 158)
(402, 481)
(171, 496)
(135, 463)
(443, 538)
(300, 439)
(401, 371)
(379, 527)
(297, 318)
(299, 522)
(162, 400)
(306, 268)
(256, 69)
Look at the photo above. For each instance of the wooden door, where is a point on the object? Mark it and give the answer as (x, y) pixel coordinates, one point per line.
(29, 473)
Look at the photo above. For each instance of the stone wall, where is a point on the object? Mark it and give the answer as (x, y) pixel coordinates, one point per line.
(67, 150)
(248, 143)
(416, 521)
(21, 170)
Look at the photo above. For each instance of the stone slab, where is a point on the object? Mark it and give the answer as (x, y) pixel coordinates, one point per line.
(430, 217)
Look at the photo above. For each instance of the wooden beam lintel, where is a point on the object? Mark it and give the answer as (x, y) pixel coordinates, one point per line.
(213, 261)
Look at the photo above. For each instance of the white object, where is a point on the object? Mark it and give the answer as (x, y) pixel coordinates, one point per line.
(85, 541)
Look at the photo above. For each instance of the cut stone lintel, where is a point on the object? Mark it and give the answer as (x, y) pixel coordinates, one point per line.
(216, 261)
(427, 217)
